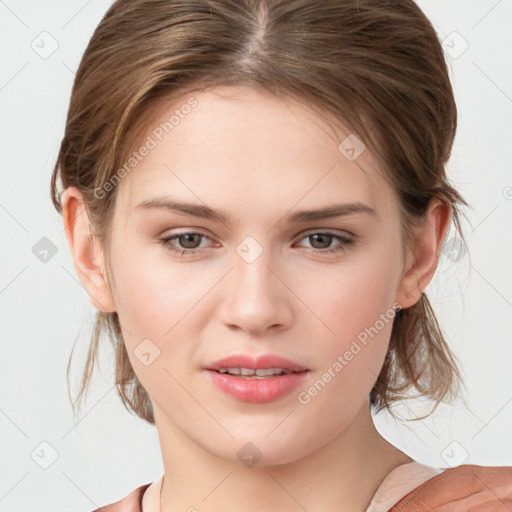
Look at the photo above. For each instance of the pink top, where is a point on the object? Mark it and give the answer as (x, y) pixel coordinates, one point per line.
(398, 483)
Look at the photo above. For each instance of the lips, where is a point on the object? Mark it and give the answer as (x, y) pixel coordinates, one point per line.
(262, 362)
(256, 388)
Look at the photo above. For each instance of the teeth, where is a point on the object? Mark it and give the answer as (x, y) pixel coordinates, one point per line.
(231, 371)
(271, 371)
(249, 372)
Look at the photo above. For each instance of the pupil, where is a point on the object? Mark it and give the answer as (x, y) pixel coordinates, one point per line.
(320, 235)
(187, 237)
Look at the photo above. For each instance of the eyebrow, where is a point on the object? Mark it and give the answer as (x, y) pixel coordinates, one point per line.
(205, 212)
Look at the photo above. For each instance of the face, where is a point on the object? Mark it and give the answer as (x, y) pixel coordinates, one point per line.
(262, 280)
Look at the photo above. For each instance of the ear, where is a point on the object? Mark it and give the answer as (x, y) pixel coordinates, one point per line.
(85, 250)
(422, 261)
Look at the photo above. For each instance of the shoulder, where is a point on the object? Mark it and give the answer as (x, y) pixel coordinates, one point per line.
(131, 503)
(399, 482)
(472, 487)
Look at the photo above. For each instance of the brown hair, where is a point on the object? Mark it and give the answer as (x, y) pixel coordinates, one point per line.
(375, 65)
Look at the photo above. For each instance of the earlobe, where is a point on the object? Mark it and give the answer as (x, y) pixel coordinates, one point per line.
(422, 261)
(85, 250)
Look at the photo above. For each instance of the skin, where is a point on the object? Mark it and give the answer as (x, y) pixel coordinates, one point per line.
(259, 158)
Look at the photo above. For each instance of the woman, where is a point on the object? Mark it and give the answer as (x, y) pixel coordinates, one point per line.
(255, 199)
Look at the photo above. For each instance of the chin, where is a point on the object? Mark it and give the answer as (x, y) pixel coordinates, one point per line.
(257, 450)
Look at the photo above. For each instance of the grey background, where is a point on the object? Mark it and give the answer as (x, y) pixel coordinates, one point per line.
(106, 453)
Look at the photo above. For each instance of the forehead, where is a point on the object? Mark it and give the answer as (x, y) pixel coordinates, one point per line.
(253, 150)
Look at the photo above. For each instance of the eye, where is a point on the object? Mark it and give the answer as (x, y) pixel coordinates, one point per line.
(324, 240)
(188, 241)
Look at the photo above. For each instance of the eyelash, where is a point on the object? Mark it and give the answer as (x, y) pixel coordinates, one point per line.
(340, 238)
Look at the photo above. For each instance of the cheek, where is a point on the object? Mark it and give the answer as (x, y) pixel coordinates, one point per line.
(153, 293)
(152, 306)
(164, 302)
(355, 306)
(352, 298)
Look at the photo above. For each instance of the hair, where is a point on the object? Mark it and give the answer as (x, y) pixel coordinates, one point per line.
(376, 66)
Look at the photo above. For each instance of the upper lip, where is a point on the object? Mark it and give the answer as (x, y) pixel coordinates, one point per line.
(262, 362)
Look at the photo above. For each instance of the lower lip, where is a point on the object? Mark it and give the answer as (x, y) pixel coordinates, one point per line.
(256, 391)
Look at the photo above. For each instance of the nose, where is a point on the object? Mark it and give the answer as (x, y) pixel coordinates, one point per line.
(256, 296)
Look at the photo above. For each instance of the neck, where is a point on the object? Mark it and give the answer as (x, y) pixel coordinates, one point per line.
(341, 474)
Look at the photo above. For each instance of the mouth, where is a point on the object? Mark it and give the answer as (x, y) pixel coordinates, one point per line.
(258, 373)
(264, 379)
